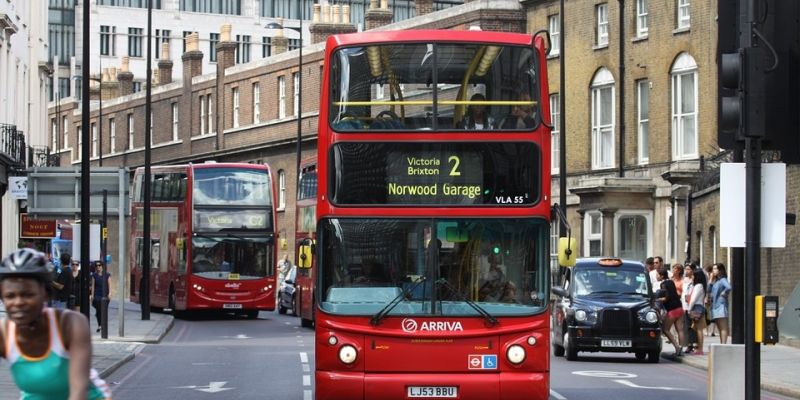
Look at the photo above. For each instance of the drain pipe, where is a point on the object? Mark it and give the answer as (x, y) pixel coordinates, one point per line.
(621, 88)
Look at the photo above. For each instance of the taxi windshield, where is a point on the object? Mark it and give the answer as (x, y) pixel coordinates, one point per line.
(609, 280)
(440, 265)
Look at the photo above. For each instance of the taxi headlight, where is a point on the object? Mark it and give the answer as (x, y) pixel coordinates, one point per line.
(347, 354)
(580, 315)
(515, 354)
(651, 317)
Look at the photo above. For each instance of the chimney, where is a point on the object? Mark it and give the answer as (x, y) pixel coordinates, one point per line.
(424, 6)
(192, 59)
(110, 86)
(280, 44)
(125, 78)
(333, 22)
(164, 66)
(226, 50)
(378, 17)
(94, 86)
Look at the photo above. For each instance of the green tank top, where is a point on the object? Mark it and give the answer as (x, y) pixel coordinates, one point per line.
(47, 377)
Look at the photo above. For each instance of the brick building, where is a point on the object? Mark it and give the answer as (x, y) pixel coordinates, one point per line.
(240, 112)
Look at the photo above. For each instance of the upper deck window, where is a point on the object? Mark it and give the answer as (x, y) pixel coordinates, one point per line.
(439, 87)
(231, 186)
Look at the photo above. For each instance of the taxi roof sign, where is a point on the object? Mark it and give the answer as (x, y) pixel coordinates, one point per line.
(609, 262)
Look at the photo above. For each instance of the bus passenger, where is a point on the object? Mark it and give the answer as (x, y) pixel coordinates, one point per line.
(476, 117)
(521, 116)
(494, 286)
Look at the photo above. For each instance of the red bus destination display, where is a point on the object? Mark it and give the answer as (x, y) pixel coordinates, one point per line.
(437, 173)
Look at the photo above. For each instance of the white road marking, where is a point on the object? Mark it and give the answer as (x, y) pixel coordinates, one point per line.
(303, 357)
(633, 385)
(557, 395)
(287, 323)
(604, 374)
(306, 380)
(306, 368)
(213, 387)
(306, 395)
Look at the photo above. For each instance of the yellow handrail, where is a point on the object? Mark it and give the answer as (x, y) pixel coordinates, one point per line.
(444, 102)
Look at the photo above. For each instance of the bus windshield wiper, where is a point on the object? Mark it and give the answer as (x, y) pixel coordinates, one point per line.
(376, 319)
(490, 320)
(216, 239)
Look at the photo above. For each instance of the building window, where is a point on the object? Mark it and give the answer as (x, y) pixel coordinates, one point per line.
(256, 103)
(554, 24)
(700, 246)
(641, 18)
(137, 86)
(112, 127)
(712, 233)
(281, 97)
(135, 38)
(643, 119)
(229, 7)
(670, 234)
(79, 150)
(242, 49)
(602, 120)
(281, 189)
(684, 16)
(212, 47)
(161, 36)
(235, 107)
(156, 4)
(211, 128)
(555, 150)
(602, 24)
(684, 108)
(174, 122)
(107, 40)
(633, 235)
(266, 47)
(94, 139)
(54, 134)
(152, 136)
(593, 239)
(202, 115)
(65, 127)
(296, 97)
(130, 131)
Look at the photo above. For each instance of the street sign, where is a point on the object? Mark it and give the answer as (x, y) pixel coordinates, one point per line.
(732, 210)
(56, 191)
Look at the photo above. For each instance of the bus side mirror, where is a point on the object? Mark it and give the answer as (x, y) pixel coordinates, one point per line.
(559, 291)
(567, 251)
(305, 253)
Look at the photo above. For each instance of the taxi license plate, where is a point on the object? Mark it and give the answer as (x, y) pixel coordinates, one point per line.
(432, 392)
(232, 305)
(615, 343)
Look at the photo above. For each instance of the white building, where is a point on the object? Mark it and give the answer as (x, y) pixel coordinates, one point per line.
(24, 75)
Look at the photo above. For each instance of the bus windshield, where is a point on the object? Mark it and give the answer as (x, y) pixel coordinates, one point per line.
(500, 264)
(231, 186)
(434, 86)
(231, 257)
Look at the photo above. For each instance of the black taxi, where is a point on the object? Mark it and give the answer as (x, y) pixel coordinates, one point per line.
(606, 304)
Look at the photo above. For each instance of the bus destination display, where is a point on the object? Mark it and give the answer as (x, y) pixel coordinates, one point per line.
(436, 173)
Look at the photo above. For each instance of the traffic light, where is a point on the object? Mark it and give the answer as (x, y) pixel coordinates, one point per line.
(758, 84)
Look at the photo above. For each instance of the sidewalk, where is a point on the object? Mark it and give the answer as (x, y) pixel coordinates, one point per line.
(108, 354)
(778, 365)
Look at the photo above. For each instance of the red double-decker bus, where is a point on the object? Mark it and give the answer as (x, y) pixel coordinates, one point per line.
(212, 232)
(305, 236)
(433, 217)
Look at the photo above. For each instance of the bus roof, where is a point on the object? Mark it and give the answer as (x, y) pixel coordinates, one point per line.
(205, 165)
(428, 36)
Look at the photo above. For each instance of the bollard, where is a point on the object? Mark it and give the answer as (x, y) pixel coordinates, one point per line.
(726, 372)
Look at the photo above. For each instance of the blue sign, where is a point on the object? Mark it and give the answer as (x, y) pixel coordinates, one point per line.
(489, 362)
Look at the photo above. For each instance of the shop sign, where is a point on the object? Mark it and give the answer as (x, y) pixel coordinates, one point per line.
(30, 228)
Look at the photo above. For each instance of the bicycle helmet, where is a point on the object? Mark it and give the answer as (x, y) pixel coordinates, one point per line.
(27, 262)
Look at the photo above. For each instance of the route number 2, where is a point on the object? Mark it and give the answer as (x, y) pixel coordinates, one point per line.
(456, 162)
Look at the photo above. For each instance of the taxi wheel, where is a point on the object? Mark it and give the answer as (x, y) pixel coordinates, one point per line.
(654, 356)
(640, 355)
(571, 352)
(281, 308)
(558, 351)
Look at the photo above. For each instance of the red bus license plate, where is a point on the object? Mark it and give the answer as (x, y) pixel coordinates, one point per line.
(231, 305)
(432, 391)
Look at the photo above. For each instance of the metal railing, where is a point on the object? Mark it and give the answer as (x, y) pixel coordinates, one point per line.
(12, 145)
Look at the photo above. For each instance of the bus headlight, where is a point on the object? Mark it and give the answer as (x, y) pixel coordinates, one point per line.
(347, 354)
(580, 315)
(651, 317)
(515, 354)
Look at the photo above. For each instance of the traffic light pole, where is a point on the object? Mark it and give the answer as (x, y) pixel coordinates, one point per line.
(752, 349)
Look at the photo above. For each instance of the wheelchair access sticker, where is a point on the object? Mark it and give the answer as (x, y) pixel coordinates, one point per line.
(482, 361)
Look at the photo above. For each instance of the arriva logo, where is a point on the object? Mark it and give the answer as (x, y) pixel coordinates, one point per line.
(410, 325)
(233, 285)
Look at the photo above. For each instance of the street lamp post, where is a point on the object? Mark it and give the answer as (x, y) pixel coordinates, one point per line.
(275, 25)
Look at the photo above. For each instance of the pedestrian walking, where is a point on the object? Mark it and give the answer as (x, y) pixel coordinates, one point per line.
(63, 283)
(719, 300)
(672, 303)
(77, 289)
(99, 290)
(48, 350)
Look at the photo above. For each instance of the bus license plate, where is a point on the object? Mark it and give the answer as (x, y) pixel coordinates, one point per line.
(232, 305)
(616, 343)
(432, 391)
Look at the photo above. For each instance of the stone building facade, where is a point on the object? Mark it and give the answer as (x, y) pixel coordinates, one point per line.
(238, 113)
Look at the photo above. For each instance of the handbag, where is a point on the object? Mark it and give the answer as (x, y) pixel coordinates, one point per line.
(697, 312)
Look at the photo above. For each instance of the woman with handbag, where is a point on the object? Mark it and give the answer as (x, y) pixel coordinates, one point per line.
(719, 301)
(697, 310)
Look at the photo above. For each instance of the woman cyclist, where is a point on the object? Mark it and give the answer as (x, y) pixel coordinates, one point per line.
(49, 351)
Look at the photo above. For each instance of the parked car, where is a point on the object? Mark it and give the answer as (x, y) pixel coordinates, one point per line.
(606, 304)
(286, 293)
